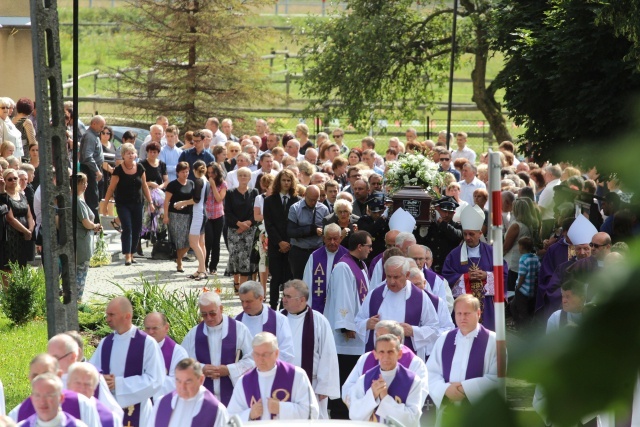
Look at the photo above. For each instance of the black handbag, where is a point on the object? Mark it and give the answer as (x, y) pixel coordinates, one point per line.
(164, 250)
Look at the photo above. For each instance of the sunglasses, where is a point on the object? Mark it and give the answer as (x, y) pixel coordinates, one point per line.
(444, 159)
(106, 133)
(596, 246)
(338, 136)
(11, 179)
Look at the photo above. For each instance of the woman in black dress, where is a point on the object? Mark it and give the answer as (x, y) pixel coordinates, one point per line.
(179, 220)
(129, 184)
(157, 181)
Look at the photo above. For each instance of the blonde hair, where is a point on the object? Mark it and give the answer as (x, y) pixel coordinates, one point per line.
(126, 148)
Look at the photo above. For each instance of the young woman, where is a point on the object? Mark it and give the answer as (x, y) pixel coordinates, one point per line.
(214, 207)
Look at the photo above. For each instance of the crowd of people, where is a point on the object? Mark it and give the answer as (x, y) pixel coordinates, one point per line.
(381, 318)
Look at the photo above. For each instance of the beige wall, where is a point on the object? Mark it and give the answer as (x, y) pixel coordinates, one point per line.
(16, 54)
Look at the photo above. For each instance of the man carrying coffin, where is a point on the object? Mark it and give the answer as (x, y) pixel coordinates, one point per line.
(315, 349)
(273, 389)
(46, 397)
(221, 344)
(408, 359)
(259, 317)
(83, 379)
(348, 287)
(403, 302)
(190, 404)
(321, 262)
(388, 390)
(131, 363)
(157, 327)
(469, 267)
(437, 285)
(463, 365)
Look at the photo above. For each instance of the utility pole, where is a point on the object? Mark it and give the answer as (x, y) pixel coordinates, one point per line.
(58, 255)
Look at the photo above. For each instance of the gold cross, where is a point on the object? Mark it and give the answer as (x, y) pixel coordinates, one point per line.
(319, 290)
(344, 312)
(129, 424)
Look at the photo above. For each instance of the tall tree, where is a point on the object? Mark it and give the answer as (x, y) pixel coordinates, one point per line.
(386, 54)
(193, 58)
(567, 79)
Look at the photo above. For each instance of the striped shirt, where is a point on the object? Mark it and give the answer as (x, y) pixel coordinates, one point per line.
(528, 267)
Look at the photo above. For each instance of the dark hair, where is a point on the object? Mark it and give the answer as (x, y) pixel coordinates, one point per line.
(153, 146)
(538, 176)
(129, 135)
(388, 253)
(294, 182)
(357, 152)
(218, 175)
(24, 106)
(217, 150)
(182, 166)
(288, 136)
(200, 166)
(526, 243)
(110, 131)
(264, 155)
(199, 134)
(576, 287)
(525, 177)
(358, 238)
(526, 192)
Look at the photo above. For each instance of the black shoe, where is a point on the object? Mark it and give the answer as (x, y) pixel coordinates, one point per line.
(127, 263)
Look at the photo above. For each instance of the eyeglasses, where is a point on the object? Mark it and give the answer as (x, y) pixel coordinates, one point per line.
(285, 296)
(62, 357)
(4, 108)
(419, 259)
(208, 314)
(106, 133)
(338, 136)
(367, 246)
(262, 355)
(342, 212)
(444, 159)
(597, 246)
(11, 179)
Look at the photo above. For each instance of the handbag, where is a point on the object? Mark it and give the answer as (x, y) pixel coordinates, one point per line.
(164, 250)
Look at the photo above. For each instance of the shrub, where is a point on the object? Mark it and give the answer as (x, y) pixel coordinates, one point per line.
(25, 297)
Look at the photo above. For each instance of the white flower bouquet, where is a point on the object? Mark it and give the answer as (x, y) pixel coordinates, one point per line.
(414, 170)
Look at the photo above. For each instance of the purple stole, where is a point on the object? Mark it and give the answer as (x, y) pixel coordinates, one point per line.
(405, 360)
(475, 366)
(308, 342)
(67, 421)
(434, 299)
(105, 414)
(319, 275)
(227, 357)
(133, 366)
(430, 275)
(282, 384)
(205, 418)
(361, 282)
(373, 263)
(70, 405)
(167, 352)
(412, 312)
(399, 387)
(270, 325)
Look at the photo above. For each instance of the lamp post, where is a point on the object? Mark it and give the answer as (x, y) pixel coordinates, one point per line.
(451, 67)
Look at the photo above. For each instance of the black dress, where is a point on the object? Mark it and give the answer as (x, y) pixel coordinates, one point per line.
(15, 246)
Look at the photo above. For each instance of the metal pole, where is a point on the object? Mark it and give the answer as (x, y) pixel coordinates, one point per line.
(323, 7)
(76, 113)
(498, 268)
(451, 67)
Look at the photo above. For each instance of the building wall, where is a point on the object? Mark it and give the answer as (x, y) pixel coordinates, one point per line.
(16, 54)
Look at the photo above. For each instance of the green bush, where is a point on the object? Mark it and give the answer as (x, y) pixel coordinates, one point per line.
(24, 298)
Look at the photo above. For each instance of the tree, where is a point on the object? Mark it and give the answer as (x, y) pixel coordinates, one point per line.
(191, 58)
(567, 79)
(385, 54)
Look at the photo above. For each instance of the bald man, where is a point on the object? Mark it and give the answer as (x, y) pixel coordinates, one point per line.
(131, 363)
(91, 159)
(376, 270)
(83, 378)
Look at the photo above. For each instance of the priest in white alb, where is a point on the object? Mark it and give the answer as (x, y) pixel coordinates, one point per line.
(131, 363)
(315, 349)
(438, 286)
(221, 344)
(83, 378)
(274, 389)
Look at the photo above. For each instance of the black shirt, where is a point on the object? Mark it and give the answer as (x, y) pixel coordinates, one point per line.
(239, 207)
(155, 174)
(179, 193)
(129, 188)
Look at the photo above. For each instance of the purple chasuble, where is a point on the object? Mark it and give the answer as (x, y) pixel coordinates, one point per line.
(227, 357)
(70, 405)
(205, 418)
(373, 263)
(167, 352)
(356, 267)
(319, 275)
(281, 389)
(105, 414)
(556, 255)
(412, 312)
(270, 325)
(399, 387)
(434, 299)
(308, 342)
(475, 366)
(452, 269)
(67, 420)
(134, 365)
(405, 359)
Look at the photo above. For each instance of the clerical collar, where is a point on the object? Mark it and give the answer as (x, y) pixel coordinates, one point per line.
(300, 312)
(256, 315)
(358, 262)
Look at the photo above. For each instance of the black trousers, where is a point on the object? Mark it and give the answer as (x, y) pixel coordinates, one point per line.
(337, 409)
(298, 258)
(280, 273)
(91, 196)
(212, 233)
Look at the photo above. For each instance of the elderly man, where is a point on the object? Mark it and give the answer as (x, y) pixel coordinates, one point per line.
(463, 365)
(368, 360)
(259, 317)
(469, 267)
(91, 159)
(72, 403)
(469, 183)
(347, 289)
(157, 327)
(416, 277)
(315, 349)
(219, 138)
(320, 265)
(156, 132)
(292, 148)
(402, 241)
(243, 160)
(437, 285)
(83, 378)
(376, 272)
(266, 167)
(388, 390)
(399, 300)
(221, 344)
(273, 389)
(304, 227)
(67, 351)
(191, 403)
(46, 397)
(311, 155)
(131, 363)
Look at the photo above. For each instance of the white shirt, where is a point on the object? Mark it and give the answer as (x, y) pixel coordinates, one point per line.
(545, 202)
(185, 409)
(219, 138)
(474, 388)
(256, 173)
(232, 180)
(442, 290)
(37, 206)
(138, 388)
(215, 335)
(376, 276)
(466, 153)
(302, 404)
(283, 331)
(169, 382)
(467, 189)
(55, 422)
(363, 404)
(393, 307)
